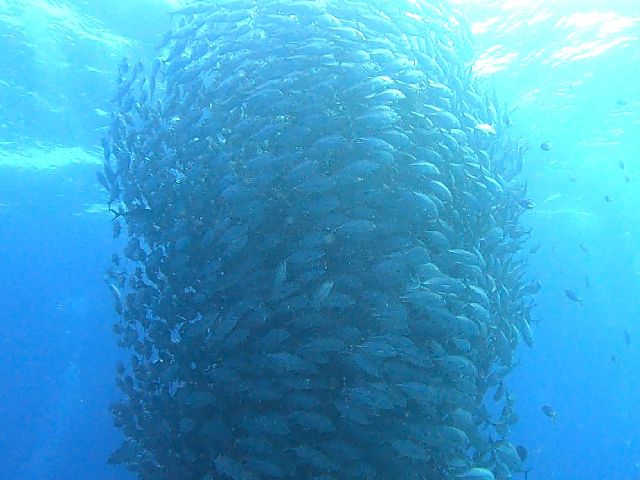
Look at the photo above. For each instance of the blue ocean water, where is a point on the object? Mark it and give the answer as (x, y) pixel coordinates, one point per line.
(569, 72)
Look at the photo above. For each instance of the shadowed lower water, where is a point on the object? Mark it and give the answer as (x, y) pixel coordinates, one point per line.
(327, 240)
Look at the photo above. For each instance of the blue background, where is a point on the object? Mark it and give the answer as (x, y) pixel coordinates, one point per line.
(570, 71)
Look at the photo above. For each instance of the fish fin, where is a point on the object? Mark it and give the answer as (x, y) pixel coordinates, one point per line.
(116, 214)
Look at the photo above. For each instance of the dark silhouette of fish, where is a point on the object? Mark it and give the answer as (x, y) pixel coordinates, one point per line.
(522, 452)
(546, 146)
(571, 295)
(270, 237)
(550, 412)
(527, 204)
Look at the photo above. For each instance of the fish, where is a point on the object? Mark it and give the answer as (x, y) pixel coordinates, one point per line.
(527, 204)
(102, 180)
(535, 248)
(303, 186)
(117, 299)
(522, 452)
(549, 412)
(280, 276)
(500, 391)
(476, 473)
(232, 468)
(571, 295)
(322, 293)
(621, 164)
(485, 128)
(545, 146)
(116, 228)
(627, 338)
(427, 168)
(430, 206)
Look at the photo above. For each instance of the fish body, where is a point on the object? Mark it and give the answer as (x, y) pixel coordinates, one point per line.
(485, 128)
(117, 299)
(527, 204)
(321, 211)
(522, 452)
(549, 412)
(281, 274)
(116, 228)
(571, 295)
(477, 473)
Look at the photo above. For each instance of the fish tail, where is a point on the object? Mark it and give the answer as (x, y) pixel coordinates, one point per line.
(116, 214)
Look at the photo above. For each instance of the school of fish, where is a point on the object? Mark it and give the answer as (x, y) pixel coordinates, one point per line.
(324, 274)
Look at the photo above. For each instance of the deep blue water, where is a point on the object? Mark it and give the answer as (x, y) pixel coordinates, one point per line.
(568, 69)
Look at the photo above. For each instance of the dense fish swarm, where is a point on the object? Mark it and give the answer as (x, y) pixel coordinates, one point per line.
(323, 275)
